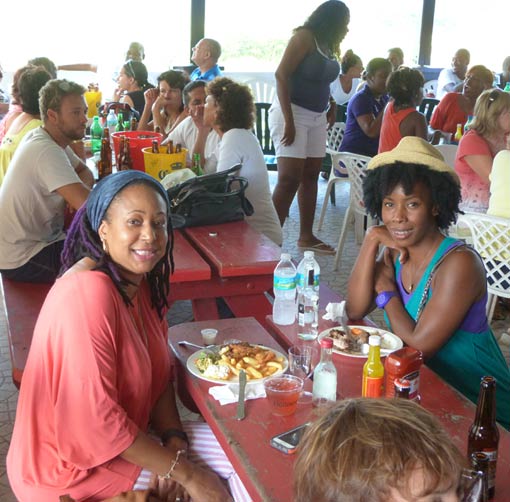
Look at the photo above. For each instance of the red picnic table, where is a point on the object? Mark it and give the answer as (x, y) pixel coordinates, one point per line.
(455, 411)
(241, 261)
(237, 264)
(246, 442)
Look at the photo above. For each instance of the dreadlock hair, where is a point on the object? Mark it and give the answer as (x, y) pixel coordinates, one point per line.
(444, 190)
(83, 241)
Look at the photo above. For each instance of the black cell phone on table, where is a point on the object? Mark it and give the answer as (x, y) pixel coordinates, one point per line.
(288, 441)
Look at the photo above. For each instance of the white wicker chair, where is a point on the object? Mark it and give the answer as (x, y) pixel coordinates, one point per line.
(491, 238)
(335, 136)
(356, 167)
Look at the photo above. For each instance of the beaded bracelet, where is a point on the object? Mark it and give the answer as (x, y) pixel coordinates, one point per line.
(168, 475)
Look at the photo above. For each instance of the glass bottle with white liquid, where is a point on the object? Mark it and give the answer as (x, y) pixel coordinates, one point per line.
(324, 376)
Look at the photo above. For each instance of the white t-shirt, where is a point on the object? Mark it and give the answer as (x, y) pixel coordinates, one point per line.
(446, 82)
(337, 92)
(186, 134)
(32, 212)
(240, 146)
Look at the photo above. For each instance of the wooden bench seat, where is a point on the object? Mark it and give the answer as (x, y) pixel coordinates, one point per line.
(22, 303)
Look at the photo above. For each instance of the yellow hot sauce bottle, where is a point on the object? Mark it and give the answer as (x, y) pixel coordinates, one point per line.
(373, 370)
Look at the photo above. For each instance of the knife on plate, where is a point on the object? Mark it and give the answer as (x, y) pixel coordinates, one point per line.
(240, 401)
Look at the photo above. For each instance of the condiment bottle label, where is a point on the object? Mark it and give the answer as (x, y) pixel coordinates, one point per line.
(414, 380)
(373, 387)
(493, 457)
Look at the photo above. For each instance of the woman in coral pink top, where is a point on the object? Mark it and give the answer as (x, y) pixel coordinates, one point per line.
(488, 135)
(401, 118)
(99, 369)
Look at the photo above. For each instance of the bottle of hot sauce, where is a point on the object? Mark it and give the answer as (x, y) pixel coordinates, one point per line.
(404, 363)
(373, 370)
(484, 434)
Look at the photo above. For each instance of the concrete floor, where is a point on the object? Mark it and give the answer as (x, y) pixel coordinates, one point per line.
(181, 312)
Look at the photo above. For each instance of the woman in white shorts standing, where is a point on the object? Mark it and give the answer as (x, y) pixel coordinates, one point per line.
(297, 118)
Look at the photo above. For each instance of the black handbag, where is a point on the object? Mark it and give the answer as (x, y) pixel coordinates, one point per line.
(211, 199)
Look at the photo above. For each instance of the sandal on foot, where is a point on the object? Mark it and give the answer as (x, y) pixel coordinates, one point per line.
(320, 248)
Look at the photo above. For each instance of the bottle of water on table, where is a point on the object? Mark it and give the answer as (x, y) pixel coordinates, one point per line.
(284, 287)
(111, 120)
(305, 265)
(308, 309)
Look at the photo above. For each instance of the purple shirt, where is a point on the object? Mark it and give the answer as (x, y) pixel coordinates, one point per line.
(355, 140)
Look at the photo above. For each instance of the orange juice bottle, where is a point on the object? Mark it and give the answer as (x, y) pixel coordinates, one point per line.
(373, 370)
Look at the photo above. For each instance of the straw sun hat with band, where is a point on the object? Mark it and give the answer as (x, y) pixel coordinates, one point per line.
(414, 150)
(412, 161)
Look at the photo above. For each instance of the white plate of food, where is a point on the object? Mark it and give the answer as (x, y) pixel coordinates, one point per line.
(222, 363)
(357, 344)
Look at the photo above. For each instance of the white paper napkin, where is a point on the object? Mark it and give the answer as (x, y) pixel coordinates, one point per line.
(229, 393)
(336, 312)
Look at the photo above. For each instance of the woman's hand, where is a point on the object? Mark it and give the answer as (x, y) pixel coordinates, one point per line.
(385, 273)
(331, 114)
(206, 486)
(382, 237)
(168, 490)
(289, 133)
(150, 96)
(117, 94)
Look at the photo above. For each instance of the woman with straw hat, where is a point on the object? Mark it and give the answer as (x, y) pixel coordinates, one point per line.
(431, 287)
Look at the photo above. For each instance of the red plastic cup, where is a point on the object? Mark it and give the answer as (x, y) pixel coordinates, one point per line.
(283, 393)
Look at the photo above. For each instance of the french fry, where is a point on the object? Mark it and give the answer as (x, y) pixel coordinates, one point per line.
(258, 362)
(251, 361)
(254, 372)
(234, 370)
(275, 364)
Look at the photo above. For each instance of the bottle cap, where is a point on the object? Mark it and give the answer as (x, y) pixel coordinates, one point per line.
(285, 256)
(326, 342)
(309, 254)
(374, 340)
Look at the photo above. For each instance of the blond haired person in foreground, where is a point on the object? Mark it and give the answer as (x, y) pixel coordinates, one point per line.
(377, 450)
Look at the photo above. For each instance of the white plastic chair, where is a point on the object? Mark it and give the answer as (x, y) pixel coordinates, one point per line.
(334, 140)
(356, 168)
(491, 238)
(263, 90)
(430, 89)
(448, 152)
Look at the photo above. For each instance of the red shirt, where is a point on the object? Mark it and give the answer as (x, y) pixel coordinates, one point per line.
(447, 114)
(390, 127)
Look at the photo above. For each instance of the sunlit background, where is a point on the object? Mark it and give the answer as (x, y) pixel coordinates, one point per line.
(253, 34)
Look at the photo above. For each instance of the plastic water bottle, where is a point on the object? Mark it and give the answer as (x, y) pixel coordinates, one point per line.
(305, 265)
(96, 133)
(324, 376)
(308, 262)
(507, 87)
(308, 309)
(284, 286)
(111, 120)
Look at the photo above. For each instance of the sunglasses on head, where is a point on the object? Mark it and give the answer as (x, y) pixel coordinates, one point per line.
(493, 96)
